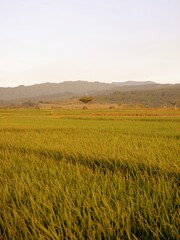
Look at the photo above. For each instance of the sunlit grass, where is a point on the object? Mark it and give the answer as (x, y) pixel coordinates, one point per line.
(88, 177)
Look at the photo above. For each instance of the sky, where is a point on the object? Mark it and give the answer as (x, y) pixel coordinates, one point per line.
(93, 40)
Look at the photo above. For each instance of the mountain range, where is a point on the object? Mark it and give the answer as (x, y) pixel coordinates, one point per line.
(103, 92)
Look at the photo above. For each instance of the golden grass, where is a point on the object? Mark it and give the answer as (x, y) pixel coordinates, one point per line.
(87, 176)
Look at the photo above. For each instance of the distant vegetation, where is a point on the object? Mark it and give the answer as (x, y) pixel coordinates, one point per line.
(169, 97)
(147, 94)
(86, 99)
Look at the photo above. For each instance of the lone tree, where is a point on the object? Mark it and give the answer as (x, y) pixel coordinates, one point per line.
(174, 103)
(86, 99)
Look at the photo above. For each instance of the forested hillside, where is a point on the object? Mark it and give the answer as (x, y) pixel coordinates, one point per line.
(152, 98)
(148, 94)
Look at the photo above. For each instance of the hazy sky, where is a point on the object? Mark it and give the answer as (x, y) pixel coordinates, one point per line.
(94, 40)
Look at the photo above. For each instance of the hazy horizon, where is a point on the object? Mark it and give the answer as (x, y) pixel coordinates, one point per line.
(26, 85)
(106, 41)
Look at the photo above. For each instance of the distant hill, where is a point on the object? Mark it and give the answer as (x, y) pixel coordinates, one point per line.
(165, 95)
(38, 90)
(133, 83)
(104, 92)
(75, 88)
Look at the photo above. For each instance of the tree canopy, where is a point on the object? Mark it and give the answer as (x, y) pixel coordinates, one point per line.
(86, 99)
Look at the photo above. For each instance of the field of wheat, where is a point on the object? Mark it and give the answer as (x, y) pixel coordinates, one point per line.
(89, 174)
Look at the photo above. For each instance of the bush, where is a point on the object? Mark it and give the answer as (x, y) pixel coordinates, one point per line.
(86, 99)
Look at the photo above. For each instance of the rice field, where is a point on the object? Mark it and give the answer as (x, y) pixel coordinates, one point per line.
(89, 174)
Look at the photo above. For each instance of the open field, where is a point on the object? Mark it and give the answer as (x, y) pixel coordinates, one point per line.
(89, 174)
